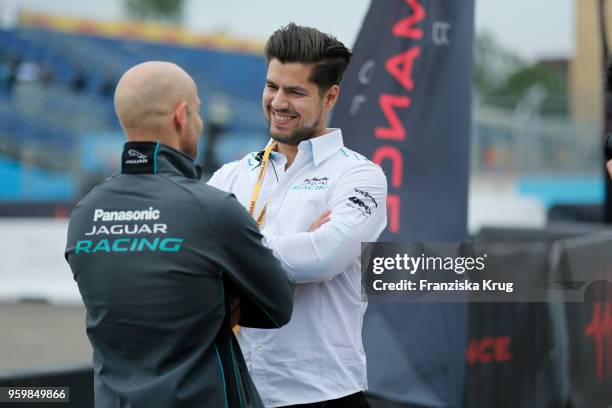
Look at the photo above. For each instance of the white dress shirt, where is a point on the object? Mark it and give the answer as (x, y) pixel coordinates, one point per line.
(318, 355)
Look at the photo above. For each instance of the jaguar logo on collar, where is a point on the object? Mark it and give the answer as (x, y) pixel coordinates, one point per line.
(137, 154)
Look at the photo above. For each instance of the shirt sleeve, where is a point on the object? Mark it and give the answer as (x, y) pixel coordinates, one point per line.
(223, 178)
(358, 214)
(264, 288)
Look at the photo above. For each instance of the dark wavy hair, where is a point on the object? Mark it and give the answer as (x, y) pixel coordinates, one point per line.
(306, 45)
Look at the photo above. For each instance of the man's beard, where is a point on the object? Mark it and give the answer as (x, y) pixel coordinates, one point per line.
(298, 135)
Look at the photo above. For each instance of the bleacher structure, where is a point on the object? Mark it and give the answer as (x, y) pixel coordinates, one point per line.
(61, 135)
(44, 123)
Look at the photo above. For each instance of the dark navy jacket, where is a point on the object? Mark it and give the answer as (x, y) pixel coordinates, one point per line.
(158, 257)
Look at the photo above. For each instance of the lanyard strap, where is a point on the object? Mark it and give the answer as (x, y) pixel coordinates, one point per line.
(262, 169)
(262, 214)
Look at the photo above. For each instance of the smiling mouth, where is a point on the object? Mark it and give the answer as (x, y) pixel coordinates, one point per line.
(282, 119)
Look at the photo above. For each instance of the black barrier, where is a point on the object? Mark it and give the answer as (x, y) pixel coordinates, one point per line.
(553, 232)
(588, 213)
(589, 324)
(546, 354)
(78, 378)
(514, 353)
(517, 353)
(36, 209)
(514, 357)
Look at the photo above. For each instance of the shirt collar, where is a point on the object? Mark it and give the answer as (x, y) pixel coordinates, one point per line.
(321, 147)
(326, 145)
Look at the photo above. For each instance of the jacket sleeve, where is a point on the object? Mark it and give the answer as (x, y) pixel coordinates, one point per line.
(264, 287)
(358, 214)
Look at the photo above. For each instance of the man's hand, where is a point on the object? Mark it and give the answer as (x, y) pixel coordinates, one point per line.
(325, 217)
(609, 167)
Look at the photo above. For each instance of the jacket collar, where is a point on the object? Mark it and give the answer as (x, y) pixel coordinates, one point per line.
(154, 158)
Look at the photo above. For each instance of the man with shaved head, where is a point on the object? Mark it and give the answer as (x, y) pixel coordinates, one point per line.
(158, 101)
(166, 265)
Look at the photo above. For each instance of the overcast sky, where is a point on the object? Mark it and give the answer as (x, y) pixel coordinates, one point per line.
(533, 28)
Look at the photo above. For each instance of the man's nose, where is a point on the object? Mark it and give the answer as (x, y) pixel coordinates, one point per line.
(279, 101)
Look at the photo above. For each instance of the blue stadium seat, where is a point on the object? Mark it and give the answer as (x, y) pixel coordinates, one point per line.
(52, 118)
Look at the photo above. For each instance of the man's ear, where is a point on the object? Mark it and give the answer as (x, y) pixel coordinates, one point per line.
(331, 96)
(180, 117)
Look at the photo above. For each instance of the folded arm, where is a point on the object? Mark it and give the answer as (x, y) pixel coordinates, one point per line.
(358, 214)
(258, 279)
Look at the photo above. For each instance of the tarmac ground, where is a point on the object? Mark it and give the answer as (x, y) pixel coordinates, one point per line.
(37, 335)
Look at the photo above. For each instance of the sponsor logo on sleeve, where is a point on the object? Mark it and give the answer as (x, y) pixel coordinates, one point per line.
(363, 201)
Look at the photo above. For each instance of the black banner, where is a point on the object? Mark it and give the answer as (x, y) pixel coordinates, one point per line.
(589, 324)
(405, 104)
(515, 356)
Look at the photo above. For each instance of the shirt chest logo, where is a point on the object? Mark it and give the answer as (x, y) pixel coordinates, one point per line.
(313, 184)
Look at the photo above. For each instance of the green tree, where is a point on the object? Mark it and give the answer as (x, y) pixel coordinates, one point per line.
(162, 10)
(550, 80)
(502, 78)
(492, 63)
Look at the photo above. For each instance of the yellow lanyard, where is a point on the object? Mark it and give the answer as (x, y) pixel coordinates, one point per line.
(262, 214)
(264, 163)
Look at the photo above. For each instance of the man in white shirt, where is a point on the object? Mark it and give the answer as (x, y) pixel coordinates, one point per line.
(315, 201)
